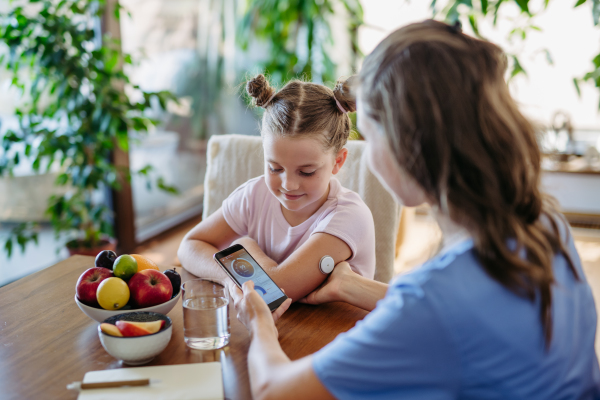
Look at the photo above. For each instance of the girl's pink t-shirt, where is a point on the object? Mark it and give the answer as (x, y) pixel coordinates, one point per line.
(251, 210)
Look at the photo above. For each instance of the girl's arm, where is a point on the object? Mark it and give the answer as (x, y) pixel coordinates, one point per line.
(272, 374)
(256, 252)
(202, 242)
(299, 274)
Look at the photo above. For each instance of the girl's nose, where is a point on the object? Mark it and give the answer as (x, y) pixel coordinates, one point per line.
(288, 183)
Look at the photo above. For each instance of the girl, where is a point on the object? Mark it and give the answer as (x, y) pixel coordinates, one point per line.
(297, 212)
(504, 311)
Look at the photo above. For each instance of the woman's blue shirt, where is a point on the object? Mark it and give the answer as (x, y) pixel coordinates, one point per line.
(447, 330)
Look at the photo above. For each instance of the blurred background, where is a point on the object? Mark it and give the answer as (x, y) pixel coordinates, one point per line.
(106, 107)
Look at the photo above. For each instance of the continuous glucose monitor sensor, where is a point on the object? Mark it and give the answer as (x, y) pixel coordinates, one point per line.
(326, 264)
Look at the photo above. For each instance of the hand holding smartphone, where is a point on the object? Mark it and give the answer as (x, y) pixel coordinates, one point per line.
(241, 267)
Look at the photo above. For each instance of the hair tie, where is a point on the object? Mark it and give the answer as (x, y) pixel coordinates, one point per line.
(456, 27)
(268, 101)
(340, 106)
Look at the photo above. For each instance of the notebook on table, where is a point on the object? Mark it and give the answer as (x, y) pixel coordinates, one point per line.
(200, 381)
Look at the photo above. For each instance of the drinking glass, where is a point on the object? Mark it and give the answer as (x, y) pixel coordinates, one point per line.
(205, 314)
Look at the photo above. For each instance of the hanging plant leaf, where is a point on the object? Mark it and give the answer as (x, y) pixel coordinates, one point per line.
(523, 5)
(596, 11)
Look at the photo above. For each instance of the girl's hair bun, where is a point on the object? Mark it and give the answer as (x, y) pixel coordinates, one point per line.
(260, 89)
(344, 93)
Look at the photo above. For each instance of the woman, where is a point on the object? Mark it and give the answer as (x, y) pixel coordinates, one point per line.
(504, 310)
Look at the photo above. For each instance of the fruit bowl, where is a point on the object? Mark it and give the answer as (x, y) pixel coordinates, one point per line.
(100, 314)
(137, 350)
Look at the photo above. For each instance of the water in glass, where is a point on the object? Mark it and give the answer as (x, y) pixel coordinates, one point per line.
(206, 322)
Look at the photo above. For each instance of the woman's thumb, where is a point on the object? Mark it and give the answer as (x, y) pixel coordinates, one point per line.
(247, 287)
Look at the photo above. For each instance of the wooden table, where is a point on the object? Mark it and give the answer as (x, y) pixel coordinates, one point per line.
(46, 342)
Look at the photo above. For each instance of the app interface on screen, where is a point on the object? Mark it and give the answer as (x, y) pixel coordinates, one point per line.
(244, 268)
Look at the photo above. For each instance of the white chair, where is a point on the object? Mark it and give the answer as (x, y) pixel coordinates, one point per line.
(234, 159)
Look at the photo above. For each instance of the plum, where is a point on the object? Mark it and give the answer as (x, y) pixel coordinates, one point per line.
(175, 279)
(106, 259)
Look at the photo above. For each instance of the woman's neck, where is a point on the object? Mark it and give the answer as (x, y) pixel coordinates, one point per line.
(452, 233)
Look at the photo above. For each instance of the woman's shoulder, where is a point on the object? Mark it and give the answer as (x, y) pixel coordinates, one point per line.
(455, 280)
(439, 271)
(451, 283)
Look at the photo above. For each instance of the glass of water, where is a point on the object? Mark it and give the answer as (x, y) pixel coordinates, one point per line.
(205, 314)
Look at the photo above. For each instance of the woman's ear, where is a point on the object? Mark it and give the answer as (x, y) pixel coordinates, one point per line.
(340, 159)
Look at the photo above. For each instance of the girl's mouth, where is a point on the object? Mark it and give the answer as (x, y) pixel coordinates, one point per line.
(292, 197)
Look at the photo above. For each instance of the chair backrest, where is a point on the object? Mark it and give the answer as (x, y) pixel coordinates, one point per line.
(234, 159)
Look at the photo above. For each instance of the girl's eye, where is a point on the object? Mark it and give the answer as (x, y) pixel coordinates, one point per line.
(307, 173)
(273, 170)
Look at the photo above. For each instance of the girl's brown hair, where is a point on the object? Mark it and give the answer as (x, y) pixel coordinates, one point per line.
(441, 99)
(305, 109)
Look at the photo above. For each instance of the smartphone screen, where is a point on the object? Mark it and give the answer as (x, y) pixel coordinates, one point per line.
(241, 267)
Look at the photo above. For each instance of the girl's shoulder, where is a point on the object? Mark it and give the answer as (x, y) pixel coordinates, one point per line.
(252, 194)
(255, 187)
(347, 215)
(347, 200)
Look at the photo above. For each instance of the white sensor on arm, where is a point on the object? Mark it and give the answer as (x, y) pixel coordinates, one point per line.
(326, 264)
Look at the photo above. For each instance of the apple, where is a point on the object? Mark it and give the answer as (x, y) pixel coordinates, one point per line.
(152, 326)
(150, 287)
(110, 329)
(88, 283)
(128, 329)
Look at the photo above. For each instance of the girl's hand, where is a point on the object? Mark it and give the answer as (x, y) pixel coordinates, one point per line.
(252, 309)
(331, 289)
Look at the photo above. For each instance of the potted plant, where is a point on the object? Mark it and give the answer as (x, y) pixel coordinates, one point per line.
(301, 39)
(74, 112)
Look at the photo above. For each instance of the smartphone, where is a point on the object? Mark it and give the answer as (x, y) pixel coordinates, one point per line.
(241, 267)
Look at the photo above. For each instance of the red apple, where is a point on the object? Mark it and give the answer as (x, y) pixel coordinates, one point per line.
(128, 329)
(152, 327)
(150, 287)
(110, 329)
(88, 283)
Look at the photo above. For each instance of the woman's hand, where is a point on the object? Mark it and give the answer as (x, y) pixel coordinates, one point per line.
(331, 289)
(252, 309)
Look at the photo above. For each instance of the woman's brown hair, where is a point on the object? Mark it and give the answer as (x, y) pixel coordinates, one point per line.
(305, 109)
(441, 99)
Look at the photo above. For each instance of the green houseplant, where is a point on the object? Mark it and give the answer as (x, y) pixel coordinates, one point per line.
(74, 112)
(299, 36)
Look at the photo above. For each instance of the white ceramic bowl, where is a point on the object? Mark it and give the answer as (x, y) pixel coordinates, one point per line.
(100, 314)
(137, 350)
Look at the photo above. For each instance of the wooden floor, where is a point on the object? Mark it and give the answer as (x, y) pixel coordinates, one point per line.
(421, 240)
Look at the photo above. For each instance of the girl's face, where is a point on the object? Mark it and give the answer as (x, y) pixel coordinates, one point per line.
(298, 170)
(383, 164)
